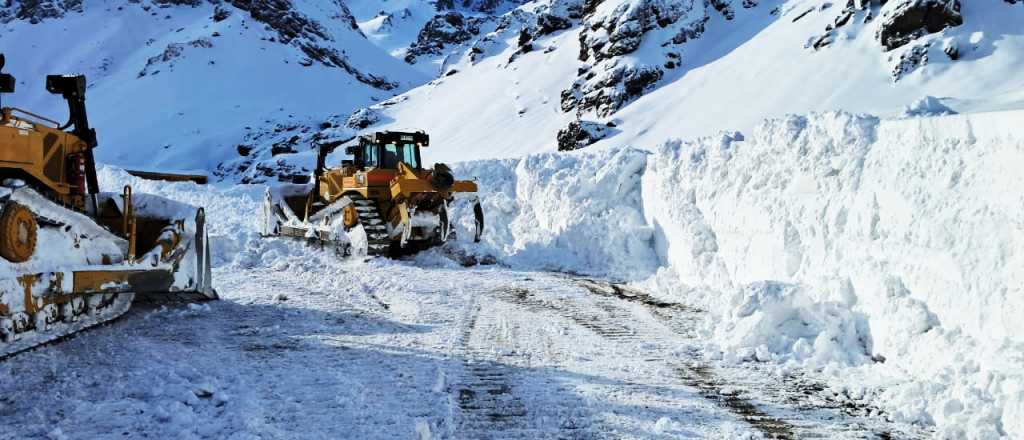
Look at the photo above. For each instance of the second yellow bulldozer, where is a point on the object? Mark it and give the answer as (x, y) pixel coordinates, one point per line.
(399, 205)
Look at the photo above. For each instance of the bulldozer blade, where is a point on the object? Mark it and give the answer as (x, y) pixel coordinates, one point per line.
(204, 267)
(199, 179)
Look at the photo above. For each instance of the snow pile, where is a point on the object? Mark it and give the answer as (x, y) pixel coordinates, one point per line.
(575, 213)
(927, 106)
(832, 239)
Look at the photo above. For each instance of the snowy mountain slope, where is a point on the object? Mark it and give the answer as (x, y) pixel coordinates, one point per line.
(707, 69)
(179, 86)
(426, 33)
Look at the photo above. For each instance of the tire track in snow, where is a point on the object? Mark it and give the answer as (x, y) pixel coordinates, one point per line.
(788, 409)
(498, 400)
(810, 411)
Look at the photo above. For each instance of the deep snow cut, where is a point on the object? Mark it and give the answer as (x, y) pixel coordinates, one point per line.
(840, 240)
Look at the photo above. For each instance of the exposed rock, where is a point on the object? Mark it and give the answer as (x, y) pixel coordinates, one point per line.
(35, 11)
(487, 6)
(170, 54)
(952, 50)
(169, 3)
(608, 35)
(912, 19)
(549, 24)
(284, 147)
(610, 91)
(309, 35)
(446, 29)
(220, 14)
(580, 134)
(363, 118)
(911, 60)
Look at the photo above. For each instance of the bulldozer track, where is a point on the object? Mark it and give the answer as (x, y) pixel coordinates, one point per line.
(377, 240)
(491, 397)
(791, 408)
(71, 332)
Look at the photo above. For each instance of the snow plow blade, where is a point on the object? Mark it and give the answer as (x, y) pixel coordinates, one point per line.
(199, 179)
(176, 263)
(104, 276)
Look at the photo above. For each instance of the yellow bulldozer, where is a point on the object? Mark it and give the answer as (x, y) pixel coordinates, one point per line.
(384, 191)
(72, 256)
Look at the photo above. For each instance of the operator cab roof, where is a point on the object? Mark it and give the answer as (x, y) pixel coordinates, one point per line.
(398, 137)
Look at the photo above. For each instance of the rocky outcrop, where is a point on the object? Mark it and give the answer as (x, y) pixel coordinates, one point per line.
(35, 11)
(611, 79)
(485, 6)
(580, 134)
(310, 36)
(450, 28)
(170, 55)
(911, 19)
(363, 118)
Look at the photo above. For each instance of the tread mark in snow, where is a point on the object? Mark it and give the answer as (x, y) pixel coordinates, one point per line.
(490, 404)
(803, 412)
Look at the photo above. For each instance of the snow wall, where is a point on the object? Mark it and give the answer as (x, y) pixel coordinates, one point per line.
(889, 254)
(842, 239)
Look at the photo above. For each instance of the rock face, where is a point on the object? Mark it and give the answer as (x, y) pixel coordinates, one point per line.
(902, 29)
(170, 54)
(612, 79)
(35, 11)
(283, 152)
(309, 35)
(580, 134)
(449, 28)
(363, 118)
(912, 19)
(485, 6)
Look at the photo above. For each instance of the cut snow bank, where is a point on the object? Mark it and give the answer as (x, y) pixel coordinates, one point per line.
(833, 239)
(889, 255)
(577, 213)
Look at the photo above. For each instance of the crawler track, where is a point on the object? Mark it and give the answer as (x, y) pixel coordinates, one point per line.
(377, 241)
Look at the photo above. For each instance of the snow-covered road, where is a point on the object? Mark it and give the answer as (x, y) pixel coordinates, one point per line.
(313, 348)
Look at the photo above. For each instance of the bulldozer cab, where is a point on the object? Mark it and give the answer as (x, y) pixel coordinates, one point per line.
(385, 150)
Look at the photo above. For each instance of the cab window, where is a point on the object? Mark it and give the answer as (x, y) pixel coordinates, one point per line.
(370, 158)
(409, 156)
(391, 156)
(394, 153)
